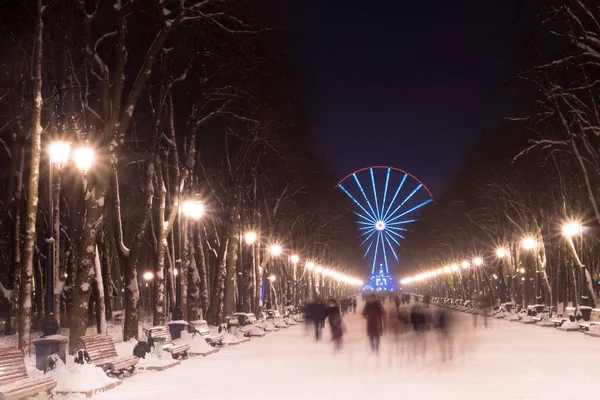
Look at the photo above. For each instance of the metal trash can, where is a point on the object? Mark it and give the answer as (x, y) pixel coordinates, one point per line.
(233, 326)
(159, 344)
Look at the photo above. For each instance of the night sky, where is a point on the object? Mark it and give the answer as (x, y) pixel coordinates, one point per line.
(411, 84)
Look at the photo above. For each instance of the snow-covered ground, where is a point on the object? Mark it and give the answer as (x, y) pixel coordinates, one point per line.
(508, 360)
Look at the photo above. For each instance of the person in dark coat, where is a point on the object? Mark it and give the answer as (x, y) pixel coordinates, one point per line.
(374, 313)
(354, 305)
(335, 323)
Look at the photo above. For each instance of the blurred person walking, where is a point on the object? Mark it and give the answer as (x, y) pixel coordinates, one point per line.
(354, 304)
(444, 328)
(374, 313)
(335, 323)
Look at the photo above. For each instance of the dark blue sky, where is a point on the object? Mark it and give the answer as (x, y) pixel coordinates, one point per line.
(411, 84)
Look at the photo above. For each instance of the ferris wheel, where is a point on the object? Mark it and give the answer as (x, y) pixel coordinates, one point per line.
(387, 200)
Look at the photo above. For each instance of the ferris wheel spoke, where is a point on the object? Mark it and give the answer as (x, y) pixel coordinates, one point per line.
(375, 195)
(387, 271)
(396, 228)
(375, 256)
(395, 195)
(358, 204)
(368, 248)
(391, 247)
(404, 201)
(371, 221)
(394, 239)
(374, 214)
(397, 234)
(387, 181)
(405, 221)
(412, 209)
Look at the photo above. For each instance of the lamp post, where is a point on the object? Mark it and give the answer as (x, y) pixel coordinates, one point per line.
(50, 342)
(529, 243)
(193, 209)
(58, 155)
(294, 259)
(570, 230)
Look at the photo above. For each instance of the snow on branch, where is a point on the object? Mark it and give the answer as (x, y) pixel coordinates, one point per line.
(102, 38)
(544, 143)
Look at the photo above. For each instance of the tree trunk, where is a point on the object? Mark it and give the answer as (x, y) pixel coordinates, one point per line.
(132, 293)
(193, 280)
(159, 315)
(25, 292)
(202, 271)
(232, 253)
(101, 306)
(94, 205)
(214, 315)
(9, 329)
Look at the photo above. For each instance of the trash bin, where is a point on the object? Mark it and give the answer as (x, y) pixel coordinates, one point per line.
(159, 344)
(233, 326)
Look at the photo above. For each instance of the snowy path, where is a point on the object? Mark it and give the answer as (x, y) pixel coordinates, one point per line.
(506, 361)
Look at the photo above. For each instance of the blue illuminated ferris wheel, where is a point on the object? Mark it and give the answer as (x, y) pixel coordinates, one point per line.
(388, 199)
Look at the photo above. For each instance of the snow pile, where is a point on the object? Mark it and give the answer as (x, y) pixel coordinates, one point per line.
(251, 330)
(279, 323)
(513, 317)
(79, 378)
(229, 338)
(595, 329)
(267, 326)
(290, 321)
(569, 326)
(150, 360)
(196, 342)
(527, 319)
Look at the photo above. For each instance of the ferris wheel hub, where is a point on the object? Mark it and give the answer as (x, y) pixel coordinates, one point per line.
(380, 225)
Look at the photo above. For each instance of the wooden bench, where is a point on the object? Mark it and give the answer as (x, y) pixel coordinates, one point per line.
(594, 319)
(102, 353)
(201, 327)
(118, 317)
(15, 383)
(569, 312)
(178, 351)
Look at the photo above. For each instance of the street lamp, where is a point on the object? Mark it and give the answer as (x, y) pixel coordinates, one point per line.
(250, 238)
(310, 265)
(275, 250)
(478, 261)
(148, 276)
(529, 243)
(294, 259)
(571, 229)
(84, 158)
(58, 155)
(193, 209)
(501, 252)
(272, 278)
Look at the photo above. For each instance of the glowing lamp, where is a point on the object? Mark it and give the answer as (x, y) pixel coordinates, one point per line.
(571, 229)
(250, 237)
(84, 158)
(295, 259)
(310, 265)
(380, 225)
(148, 276)
(501, 252)
(193, 209)
(478, 261)
(275, 250)
(529, 243)
(59, 153)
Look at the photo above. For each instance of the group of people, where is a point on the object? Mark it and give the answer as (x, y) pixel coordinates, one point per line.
(399, 321)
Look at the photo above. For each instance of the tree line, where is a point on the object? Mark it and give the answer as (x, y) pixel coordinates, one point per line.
(527, 179)
(179, 100)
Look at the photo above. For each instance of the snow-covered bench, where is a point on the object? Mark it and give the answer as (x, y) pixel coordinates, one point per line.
(569, 312)
(200, 327)
(15, 383)
(178, 351)
(594, 319)
(102, 352)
